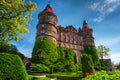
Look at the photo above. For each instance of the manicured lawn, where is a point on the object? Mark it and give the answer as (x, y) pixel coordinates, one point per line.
(33, 77)
(66, 75)
(60, 75)
(99, 75)
(72, 74)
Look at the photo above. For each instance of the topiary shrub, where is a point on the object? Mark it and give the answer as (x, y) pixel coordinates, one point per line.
(87, 64)
(12, 67)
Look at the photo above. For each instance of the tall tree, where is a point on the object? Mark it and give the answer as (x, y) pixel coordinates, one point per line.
(14, 16)
(91, 50)
(103, 51)
(11, 49)
(87, 63)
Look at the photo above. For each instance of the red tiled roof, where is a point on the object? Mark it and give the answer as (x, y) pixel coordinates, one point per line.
(48, 9)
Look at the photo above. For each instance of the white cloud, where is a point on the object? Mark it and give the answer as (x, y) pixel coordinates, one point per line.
(112, 41)
(111, 1)
(95, 5)
(104, 7)
(108, 41)
(115, 57)
(98, 19)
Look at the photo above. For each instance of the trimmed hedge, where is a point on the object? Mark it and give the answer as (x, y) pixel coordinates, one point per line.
(12, 67)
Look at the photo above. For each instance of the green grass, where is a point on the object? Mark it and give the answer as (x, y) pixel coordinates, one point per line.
(73, 74)
(60, 75)
(33, 77)
(99, 75)
(66, 75)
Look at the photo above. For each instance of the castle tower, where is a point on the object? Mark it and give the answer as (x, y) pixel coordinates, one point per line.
(47, 22)
(87, 33)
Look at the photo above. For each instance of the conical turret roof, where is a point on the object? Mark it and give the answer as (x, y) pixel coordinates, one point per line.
(48, 8)
(85, 25)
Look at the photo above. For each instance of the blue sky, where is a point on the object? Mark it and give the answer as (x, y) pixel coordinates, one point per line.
(103, 16)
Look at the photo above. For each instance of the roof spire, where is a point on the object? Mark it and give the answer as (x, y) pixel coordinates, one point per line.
(48, 8)
(85, 25)
(84, 21)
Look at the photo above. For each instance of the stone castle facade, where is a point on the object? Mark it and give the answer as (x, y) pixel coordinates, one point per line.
(67, 37)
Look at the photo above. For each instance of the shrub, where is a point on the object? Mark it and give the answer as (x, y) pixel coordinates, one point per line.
(59, 67)
(104, 65)
(87, 64)
(39, 68)
(12, 67)
(103, 75)
(118, 66)
(78, 67)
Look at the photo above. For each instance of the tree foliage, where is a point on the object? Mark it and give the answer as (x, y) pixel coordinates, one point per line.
(69, 59)
(87, 63)
(45, 51)
(69, 56)
(14, 16)
(91, 50)
(61, 54)
(11, 49)
(66, 61)
(103, 51)
(39, 68)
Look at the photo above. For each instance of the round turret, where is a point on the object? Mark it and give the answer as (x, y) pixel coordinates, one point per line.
(88, 39)
(85, 26)
(47, 24)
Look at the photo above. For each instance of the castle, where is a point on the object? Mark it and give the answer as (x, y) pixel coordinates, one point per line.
(67, 37)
